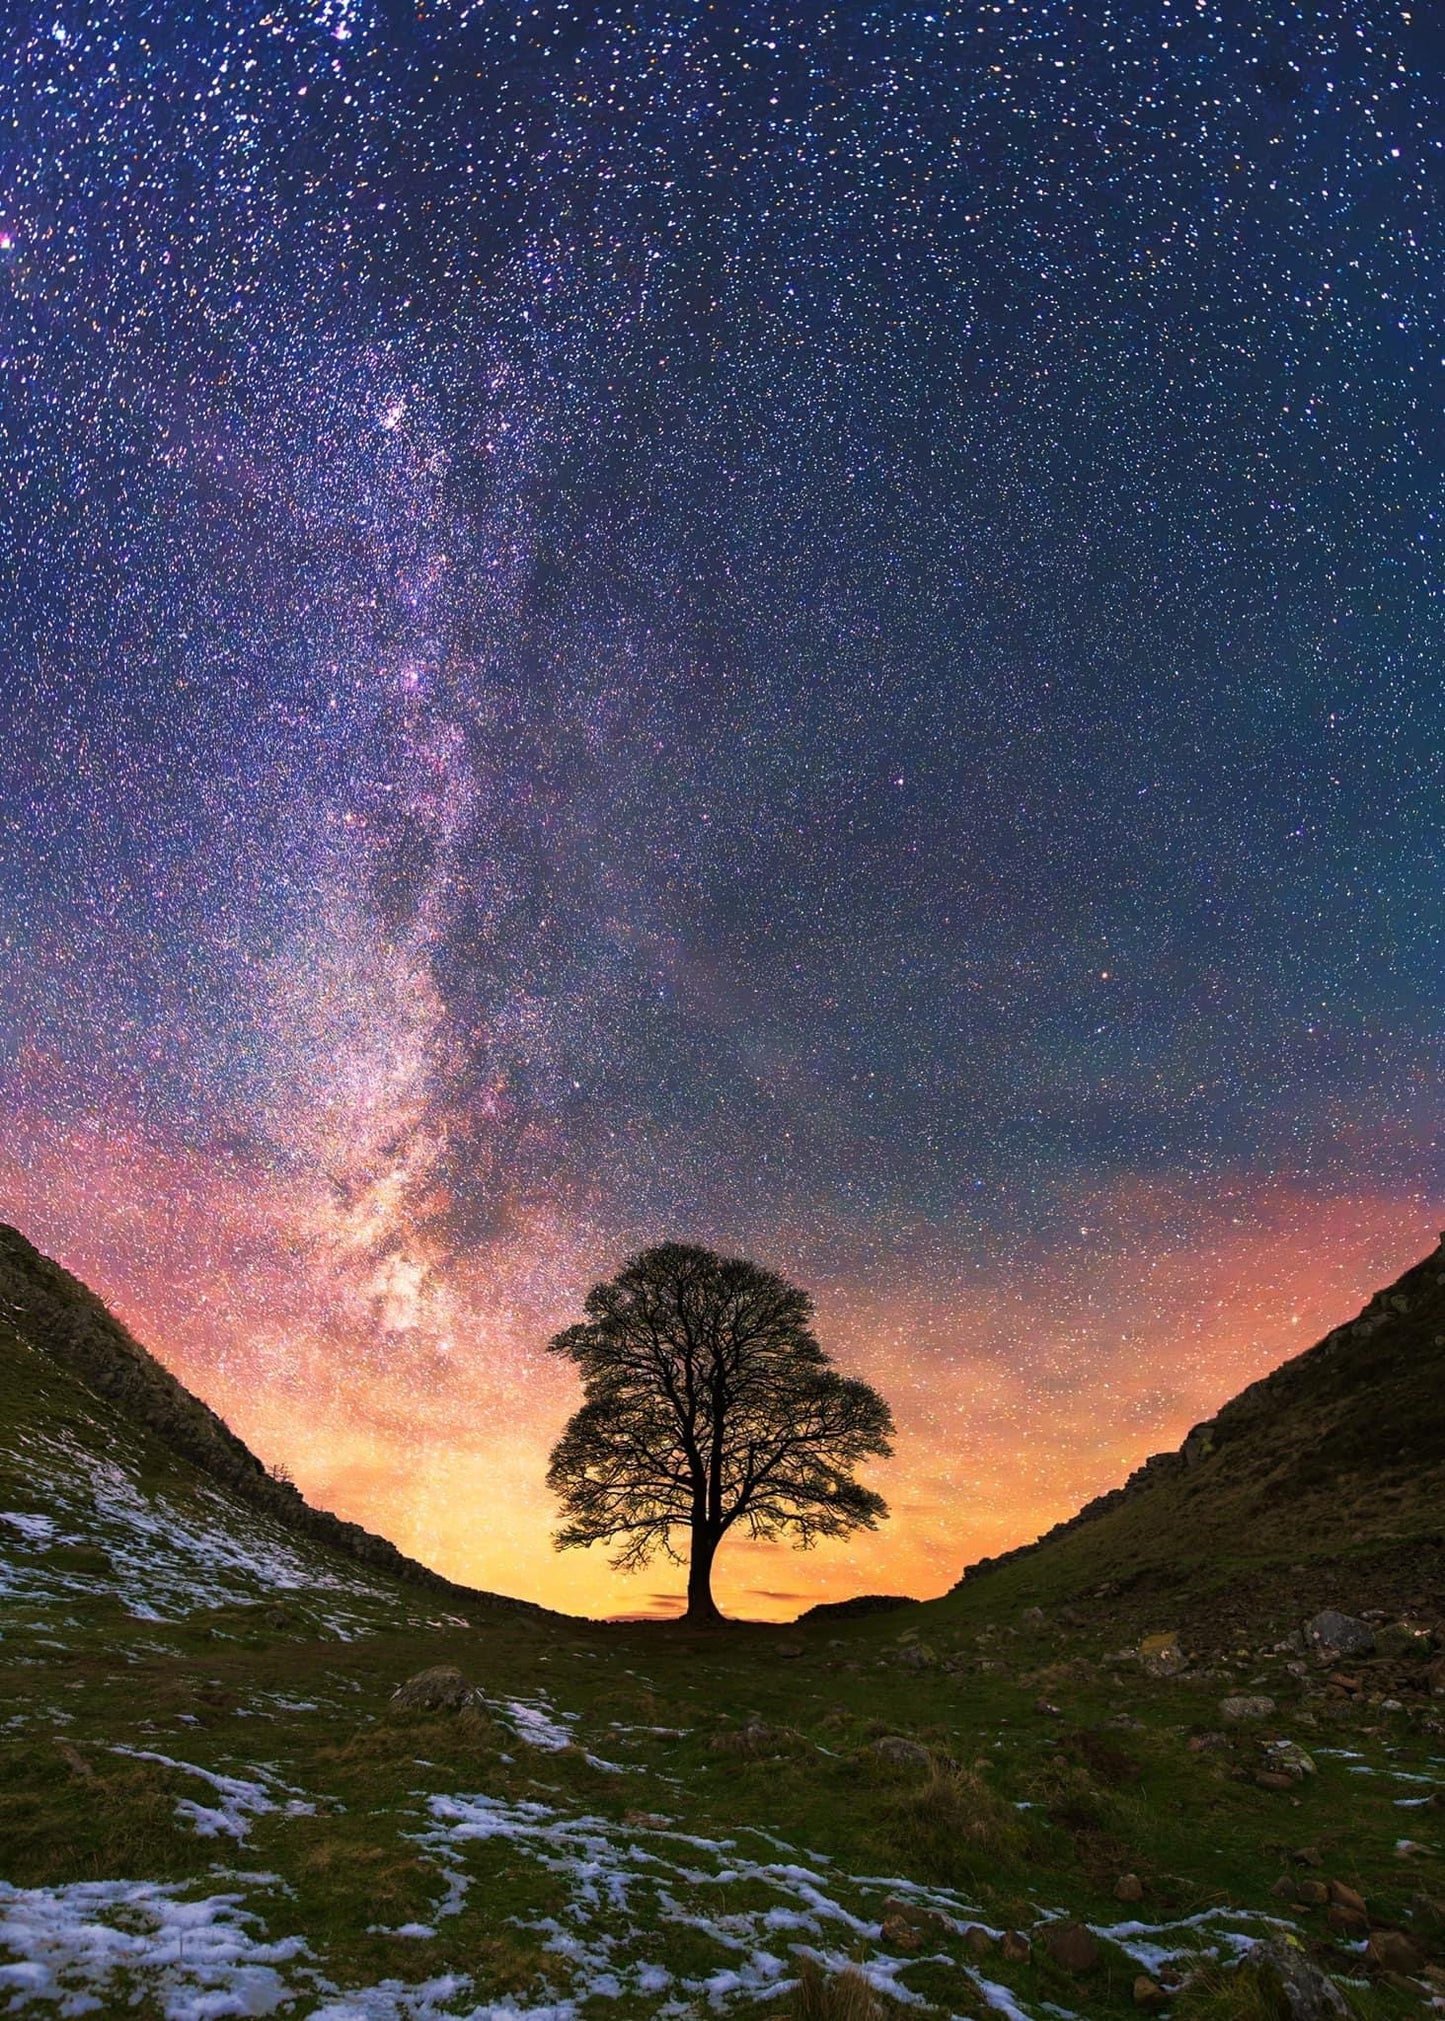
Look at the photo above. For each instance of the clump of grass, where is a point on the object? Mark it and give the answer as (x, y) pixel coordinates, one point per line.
(955, 1824)
(1216, 1994)
(834, 1996)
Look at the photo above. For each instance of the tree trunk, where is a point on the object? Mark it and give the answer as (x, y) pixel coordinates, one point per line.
(700, 1604)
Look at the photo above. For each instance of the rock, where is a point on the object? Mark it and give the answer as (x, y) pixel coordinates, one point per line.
(1202, 1743)
(645, 1820)
(918, 1656)
(790, 1651)
(1330, 1634)
(1393, 1951)
(1043, 1705)
(900, 1934)
(1309, 1856)
(1071, 1946)
(1032, 1617)
(902, 1753)
(1313, 1894)
(1296, 1987)
(1161, 1655)
(1284, 1889)
(440, 1689)
(1013, 1946)
(1287, 1758)
(1147, 1993)
(1128, 1888)
(1245, 1707)
(1347, 1922)
(1271, 1778)
(1346, 1897)
(979, 1941)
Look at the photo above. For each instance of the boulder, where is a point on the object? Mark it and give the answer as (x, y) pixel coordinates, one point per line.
(1161, 1654)
(917, 1656)
(1014, 1946)
(1243, 1706)
(440, 1689)
(1347, 1922)
(1286, 1757)
(1330, 1634)
(1346, 1897)
(902, 1753)
(1296, 1987)
(1128, 1888)
(1072, 1946)
(1393, 1951)
(900, 1934)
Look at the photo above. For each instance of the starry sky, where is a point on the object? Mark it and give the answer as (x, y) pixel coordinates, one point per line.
(811, 628)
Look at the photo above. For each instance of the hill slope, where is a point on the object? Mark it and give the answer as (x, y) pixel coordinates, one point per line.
(1324, 1483)
(97, 1435)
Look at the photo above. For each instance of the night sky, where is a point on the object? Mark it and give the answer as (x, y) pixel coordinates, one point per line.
(815, 629)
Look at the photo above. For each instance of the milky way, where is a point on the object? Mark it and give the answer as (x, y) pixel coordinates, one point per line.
(815, 629)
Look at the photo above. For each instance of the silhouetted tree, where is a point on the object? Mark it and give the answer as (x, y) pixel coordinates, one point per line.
(708, 1402)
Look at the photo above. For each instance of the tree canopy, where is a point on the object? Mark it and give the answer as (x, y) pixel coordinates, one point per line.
(708, 1403)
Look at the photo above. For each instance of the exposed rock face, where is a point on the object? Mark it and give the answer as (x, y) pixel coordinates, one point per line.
(1331, 1634)
(440, 1689)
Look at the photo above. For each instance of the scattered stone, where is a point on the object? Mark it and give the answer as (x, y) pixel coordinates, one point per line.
(1043, 1705)
(1013, 1946)
(900, 1934)
(440, 1689)
(1147, 1993)
(1393, 1951)
(790, 1650)
(1347, 1897)
(1313, 1894)
(1161, 1654)
(979, 1940)
(1330, 1634)
(1284, 1889)
(1347, 1922)
(1071, 1946)
(1128, 1888)
(1245, 1707)
(1391, 1705)
(1202, 1743)
(1287, 1758)
(1309, 1856)
(901, 1752)
(1272, 1778)
(1297, 1987)
(918, 1656)
(1032, 1617)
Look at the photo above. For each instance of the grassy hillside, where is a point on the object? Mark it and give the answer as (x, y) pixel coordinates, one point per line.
(210, 1804)
(1323, 1484)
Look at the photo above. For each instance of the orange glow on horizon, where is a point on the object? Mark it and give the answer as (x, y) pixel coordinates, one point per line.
(1017, 1397)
